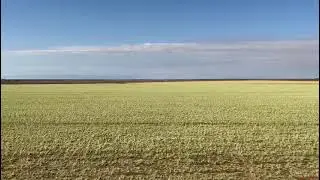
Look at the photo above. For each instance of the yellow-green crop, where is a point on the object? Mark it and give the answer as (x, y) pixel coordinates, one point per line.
(181, 130)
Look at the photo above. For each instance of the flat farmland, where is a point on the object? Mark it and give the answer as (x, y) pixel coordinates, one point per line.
(173, 130)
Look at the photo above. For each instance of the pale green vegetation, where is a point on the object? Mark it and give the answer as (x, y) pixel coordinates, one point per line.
(185, 130)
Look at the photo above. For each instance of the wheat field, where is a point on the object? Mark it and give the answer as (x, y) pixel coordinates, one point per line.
(174, 130)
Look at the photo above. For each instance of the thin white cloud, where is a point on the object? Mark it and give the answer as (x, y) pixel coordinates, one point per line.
(283, 59)
(250, 46)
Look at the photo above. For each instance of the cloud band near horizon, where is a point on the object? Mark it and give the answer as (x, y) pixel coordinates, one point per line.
(252, 46)
(250, 59)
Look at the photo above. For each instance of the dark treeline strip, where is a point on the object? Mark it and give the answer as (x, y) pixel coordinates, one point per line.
(122, 81)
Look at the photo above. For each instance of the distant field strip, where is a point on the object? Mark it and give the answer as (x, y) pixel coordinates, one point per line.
(176, 130)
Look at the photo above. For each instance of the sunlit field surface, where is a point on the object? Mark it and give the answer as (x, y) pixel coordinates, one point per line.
(176, 130)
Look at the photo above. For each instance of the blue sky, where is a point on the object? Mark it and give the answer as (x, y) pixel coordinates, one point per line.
(159, 39)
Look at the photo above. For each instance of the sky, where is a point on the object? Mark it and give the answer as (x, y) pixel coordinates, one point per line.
(114, 39)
